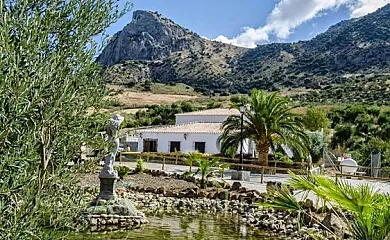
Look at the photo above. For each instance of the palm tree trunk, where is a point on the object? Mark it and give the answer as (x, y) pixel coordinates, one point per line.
(263, 150)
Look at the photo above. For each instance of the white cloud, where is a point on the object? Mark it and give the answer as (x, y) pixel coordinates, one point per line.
(364, 7)
(289, 14)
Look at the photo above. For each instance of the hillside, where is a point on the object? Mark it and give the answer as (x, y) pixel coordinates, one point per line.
(154, 48)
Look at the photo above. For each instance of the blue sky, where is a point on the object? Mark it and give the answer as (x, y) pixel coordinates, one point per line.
(266, 20)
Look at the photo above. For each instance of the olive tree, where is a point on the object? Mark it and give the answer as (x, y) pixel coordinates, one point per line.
(48, 82)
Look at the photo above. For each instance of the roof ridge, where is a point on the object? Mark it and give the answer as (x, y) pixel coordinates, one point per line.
(208, 110)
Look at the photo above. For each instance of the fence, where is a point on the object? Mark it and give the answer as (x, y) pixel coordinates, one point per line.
(234, 163)
(272, 168)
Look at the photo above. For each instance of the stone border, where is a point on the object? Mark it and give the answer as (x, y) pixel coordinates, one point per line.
(99, 221)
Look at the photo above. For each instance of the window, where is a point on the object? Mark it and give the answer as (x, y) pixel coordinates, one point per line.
(200, 146)
(150, 145)
(174, 147)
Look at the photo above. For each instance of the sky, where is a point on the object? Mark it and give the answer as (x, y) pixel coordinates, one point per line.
(247, 23)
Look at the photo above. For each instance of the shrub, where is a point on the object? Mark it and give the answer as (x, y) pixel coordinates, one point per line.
(122, 171)
(140, 167)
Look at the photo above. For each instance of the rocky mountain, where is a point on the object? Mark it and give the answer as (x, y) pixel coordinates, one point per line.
(154, 48)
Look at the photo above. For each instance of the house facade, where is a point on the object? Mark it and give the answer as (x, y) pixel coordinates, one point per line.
(193, 131)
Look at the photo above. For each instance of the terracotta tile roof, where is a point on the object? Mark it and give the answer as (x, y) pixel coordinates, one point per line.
(186, 128)
(212, 112)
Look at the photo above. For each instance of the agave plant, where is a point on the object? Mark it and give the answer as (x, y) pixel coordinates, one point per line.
(204, 167)
(370, 209)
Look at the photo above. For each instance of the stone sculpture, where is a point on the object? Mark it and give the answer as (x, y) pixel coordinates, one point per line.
(108, 175)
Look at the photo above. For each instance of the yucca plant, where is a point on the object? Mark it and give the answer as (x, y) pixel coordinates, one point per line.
(204, 167)
(370, 209)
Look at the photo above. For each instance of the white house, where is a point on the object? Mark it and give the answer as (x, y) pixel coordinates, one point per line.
(193, 131)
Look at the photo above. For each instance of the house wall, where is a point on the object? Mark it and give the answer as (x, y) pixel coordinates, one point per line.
(188, 144)
(200, 118)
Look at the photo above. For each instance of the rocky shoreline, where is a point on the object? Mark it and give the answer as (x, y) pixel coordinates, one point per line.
(219, 197)
(276, 223)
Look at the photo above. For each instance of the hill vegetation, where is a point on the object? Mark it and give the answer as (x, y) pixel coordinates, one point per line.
(170, 53)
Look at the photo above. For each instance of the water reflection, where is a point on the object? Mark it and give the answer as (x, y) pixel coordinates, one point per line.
(184, 226)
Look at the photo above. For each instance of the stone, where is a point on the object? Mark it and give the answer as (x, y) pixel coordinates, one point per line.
(202, 194)
(309, 204)
(191, 193)
(233, 196)
(241, 175)
(160, 190)
(223, 195)
(94, 221)
(236, 186)
(107, 188)
(149, 189)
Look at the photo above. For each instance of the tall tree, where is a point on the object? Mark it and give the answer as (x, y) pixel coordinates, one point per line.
(48, 82)
(269, 122)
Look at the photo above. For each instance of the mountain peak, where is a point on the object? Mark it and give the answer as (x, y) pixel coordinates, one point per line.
(149, 36)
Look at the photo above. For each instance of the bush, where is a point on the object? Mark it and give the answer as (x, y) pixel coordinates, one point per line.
(122, 171)
(140, 167)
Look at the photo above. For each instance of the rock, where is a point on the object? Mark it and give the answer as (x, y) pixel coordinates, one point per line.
(224, 195)
(160, 190)
(236, 186)
(191, 193)
(202, 194)
(233, 196)
(309, 204)
(272, 186)
(94, 221)
(334, 223)
(149, 189)
(242, 190)
(97, 210)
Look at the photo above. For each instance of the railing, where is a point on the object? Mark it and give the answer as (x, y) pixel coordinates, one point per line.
(178, 159)
(272, 168)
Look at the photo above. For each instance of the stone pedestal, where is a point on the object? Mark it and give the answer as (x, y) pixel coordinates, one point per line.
(107, 187)
(241, 175)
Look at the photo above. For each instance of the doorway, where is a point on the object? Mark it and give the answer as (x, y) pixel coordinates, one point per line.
(174, 147)
(200, 147)
(150, 145)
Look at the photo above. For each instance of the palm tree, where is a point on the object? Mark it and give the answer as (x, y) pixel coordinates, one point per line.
(370, 209)
(191, 158)
(204, 167)
(269, 123)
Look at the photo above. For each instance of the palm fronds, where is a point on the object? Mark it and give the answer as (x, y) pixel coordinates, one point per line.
(268, 122)
(370, 209)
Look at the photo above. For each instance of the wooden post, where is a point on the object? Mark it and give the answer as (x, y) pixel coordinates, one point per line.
(176, 158)
(120, 157)
(163, 164)
(262, 175)
(147, 158)
(275, 168)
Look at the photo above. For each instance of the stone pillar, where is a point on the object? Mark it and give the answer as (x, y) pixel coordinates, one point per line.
(107, 187)
(241, 175)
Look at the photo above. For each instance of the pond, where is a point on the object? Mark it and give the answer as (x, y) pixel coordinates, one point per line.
(184, 226)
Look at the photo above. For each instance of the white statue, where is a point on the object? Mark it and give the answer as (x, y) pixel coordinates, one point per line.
(112, 130)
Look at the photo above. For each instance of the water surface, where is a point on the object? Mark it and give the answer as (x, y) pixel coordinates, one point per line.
(184, 226)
